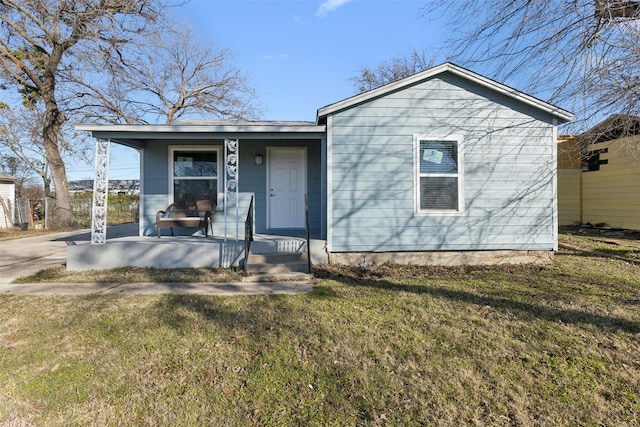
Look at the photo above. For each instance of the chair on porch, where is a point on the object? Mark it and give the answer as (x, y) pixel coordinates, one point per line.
(196, 214)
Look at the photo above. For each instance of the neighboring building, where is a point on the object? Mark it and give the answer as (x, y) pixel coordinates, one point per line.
(569, 180)
(442, 164)
(608, 189)
(8, 196)
(116, 186)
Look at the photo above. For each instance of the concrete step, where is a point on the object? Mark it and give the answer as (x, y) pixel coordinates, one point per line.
(277, 277)
(277, 258)
(277, 263)
(276, 268)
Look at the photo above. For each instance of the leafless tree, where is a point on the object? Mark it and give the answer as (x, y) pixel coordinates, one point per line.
(21, 140)
(581, 54)
(165, 78)
(39, 38)
(368, 78)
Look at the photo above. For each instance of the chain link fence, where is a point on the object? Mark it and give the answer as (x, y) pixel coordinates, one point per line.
(41, 213)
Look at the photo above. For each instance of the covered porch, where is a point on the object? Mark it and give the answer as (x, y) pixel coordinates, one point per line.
(271, 171)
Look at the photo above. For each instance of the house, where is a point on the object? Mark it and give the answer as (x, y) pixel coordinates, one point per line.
(445, 166)
(599, 178)
(569, 180)
(8, 200)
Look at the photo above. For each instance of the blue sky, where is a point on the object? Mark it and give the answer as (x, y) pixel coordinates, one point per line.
(300, 55)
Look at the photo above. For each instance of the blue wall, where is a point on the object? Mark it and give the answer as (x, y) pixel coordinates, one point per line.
(252, 180)
(509, 168)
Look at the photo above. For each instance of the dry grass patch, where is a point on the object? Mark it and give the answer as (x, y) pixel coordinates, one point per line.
(135, 275)
(625, 244)
(552, 345)
(13, 233)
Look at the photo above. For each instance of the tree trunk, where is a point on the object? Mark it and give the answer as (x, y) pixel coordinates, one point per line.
(53, 121)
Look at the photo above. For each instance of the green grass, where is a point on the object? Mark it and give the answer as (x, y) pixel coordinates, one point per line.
(628, 248)
(528, 345)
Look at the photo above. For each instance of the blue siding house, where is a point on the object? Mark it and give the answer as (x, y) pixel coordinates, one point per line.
(445, 166)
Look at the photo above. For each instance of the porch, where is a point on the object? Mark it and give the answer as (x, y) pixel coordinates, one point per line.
(128, 249)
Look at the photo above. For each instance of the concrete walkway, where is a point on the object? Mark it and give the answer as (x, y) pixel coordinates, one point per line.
(25, 257)
(221, 289)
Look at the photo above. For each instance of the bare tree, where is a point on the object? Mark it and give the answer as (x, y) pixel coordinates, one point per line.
(392, 70)
(583, 54)
(165, 78)
(21, 138)
(22, 141)
(39, 38)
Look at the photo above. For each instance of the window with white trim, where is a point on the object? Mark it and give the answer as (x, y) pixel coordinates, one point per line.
(194, 175)
(438, 177)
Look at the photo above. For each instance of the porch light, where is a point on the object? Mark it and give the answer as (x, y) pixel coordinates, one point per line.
(258, 159)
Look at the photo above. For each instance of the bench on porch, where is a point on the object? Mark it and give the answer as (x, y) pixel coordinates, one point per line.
(195, 214)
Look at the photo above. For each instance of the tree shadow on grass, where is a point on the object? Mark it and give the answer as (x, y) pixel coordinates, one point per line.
(524, 310)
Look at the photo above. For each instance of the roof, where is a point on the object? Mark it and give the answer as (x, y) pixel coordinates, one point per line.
(563, 116)
(134, 135)
(613, 127)
(208, 126)
(6, 178)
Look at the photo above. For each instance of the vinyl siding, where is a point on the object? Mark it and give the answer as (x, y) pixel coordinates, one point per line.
(508, 171)
(7, 193)
(612, 194)
(252, 181)
(569, 196)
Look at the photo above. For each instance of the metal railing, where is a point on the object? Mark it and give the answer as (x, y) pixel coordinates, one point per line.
(248, 234)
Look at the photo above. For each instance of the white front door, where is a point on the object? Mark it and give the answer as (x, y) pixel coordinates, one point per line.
(286, 187)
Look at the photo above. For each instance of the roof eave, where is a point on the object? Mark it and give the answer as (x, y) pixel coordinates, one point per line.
(561, 115)
(199, 128)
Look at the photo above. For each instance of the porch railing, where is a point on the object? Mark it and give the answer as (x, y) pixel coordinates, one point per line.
(306, 220)
(248, 234)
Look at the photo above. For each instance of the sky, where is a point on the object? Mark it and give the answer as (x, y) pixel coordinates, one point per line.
(300, 55)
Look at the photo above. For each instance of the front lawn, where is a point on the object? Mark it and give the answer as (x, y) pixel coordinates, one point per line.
(528, 345)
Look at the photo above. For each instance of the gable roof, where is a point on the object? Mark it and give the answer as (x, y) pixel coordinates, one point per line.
(613, 127)
(563, 116)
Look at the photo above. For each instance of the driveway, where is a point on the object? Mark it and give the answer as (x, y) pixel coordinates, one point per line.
(24, 257)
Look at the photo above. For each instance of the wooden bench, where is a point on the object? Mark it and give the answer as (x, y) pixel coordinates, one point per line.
(198, 215)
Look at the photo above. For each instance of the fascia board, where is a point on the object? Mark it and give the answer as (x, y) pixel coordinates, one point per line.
(181, 129)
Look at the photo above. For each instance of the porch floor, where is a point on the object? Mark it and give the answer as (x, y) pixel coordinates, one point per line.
(127, 249)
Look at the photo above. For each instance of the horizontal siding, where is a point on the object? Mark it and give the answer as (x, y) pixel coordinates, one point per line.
(508, 172)
(252, 180)
(396, 128)
(7, 192)
(569, 196)
(501, 151)
(612, 194)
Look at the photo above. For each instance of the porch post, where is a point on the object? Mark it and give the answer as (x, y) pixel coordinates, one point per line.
(100, 192)
(231, 153)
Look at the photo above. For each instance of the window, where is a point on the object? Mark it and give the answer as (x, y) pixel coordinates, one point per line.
(591, 160)
(194, 176)
(438, 174)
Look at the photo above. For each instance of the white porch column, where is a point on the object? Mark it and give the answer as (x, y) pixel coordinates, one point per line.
(231, 155)
(100, 192)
